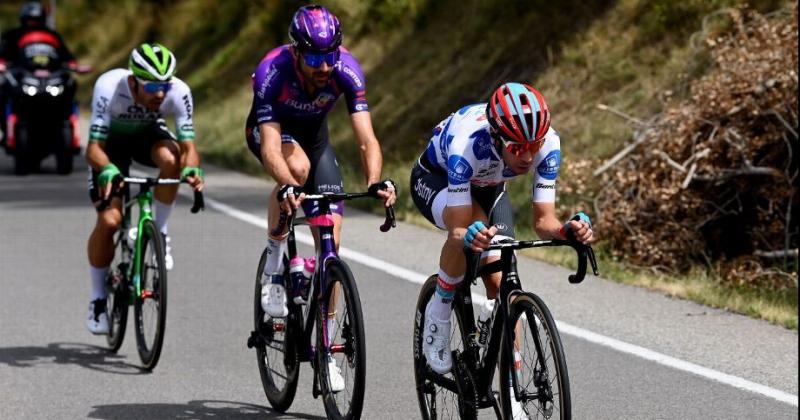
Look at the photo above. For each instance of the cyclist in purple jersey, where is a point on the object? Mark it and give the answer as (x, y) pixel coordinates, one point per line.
(294, 88)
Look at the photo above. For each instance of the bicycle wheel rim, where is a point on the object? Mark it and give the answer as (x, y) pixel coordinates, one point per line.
(151, 306)
(346, 344)
(278, 380)
(545, 385)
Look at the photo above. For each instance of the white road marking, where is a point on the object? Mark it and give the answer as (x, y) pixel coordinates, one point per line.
(621, 346)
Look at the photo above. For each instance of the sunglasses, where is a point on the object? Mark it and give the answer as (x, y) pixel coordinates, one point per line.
(155, 87)
(315, 60)
(518, 149)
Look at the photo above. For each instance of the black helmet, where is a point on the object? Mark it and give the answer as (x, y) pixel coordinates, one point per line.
(32, 11)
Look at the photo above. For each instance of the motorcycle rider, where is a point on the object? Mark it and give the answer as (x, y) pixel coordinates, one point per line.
(32, 44)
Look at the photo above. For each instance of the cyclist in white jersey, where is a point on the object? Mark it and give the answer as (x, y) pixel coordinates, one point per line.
(128, 111)
(459, 185)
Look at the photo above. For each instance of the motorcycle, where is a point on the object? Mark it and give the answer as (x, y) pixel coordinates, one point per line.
(41, 118)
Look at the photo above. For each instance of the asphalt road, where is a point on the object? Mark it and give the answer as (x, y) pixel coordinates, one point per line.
(632, 354)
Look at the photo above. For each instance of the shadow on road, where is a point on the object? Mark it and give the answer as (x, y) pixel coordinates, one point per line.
(198, 409)
(84, 355)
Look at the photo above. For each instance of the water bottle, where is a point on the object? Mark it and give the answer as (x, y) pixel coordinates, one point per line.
(484, 323)
(301, 270)
(132, 234)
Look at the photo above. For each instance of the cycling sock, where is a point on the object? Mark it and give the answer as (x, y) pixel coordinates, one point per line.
(163, 210)
(275, 251)
(445, 290)
(98, 282)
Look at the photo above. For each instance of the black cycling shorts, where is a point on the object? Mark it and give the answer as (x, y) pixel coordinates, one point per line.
(121, 149)
(429, 192)
(324, 174)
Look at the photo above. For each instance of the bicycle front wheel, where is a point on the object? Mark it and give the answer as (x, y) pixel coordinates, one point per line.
(341, 359)
(537, 359)
(278, 363)
(118, 297)
(150, 308)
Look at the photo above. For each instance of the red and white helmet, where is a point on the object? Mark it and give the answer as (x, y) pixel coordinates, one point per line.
(518, 113)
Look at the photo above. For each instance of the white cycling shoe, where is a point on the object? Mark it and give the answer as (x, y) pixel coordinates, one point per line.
(97, 318)
(273, 298)
(436, 343)
(335, 375)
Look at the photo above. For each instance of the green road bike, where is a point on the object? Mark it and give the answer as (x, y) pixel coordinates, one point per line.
(138, 274)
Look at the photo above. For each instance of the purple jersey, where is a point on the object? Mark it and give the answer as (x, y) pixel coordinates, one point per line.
(279, 93)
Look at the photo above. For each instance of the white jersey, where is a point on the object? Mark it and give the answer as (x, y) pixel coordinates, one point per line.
(115, 112)
(461, 145)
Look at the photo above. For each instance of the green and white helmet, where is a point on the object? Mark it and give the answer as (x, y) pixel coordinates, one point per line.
(152, 62)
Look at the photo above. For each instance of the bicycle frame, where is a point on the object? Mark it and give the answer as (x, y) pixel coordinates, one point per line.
(143, 200)
(303, 319)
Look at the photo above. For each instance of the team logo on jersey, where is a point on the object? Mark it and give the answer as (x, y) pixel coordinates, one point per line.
(459, 170)
(548, 169)
(482, 145)
(323, 99)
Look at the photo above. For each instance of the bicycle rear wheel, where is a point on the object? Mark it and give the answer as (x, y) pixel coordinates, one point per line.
(118, 297)
(150, 309)
(342, 319)
(278, 363)
(541, 367)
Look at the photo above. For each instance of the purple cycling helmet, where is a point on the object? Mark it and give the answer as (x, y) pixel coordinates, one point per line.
(315, 29)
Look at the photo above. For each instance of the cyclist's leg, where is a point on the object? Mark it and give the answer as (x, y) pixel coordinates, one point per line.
(100, 246)
(325, 176)
(273, 300)
(157, 147)
(497, 205)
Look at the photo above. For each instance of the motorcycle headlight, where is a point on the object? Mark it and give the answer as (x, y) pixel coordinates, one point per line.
(54, 90)
(29, 90)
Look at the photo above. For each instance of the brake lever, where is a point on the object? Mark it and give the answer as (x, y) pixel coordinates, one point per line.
(390, 221)
(199, 203)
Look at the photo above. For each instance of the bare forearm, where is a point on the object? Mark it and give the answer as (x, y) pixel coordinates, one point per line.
(372, 162)
(189, 155)
(95, 156)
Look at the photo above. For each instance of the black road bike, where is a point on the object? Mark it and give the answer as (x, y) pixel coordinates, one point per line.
(332, 311)
(531, 369)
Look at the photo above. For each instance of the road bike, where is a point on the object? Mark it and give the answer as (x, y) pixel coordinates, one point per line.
(523, 347)
(138, 274)
(330, 311)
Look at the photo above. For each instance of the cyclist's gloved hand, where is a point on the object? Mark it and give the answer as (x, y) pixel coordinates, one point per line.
(108, 174)
(290, 197)
(579, 228)
(478, 236)
(195, 176)
(386, 190)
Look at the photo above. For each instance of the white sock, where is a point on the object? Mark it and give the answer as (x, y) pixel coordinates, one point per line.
(98, 282)
(163, 210)
(442, 299)
(275, 250)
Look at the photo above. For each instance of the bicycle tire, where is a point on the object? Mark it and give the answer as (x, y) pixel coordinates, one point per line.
(279, 397)
(118, 298)
(153, 290)
(556, 366)
(435, 402)
(351, 328)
